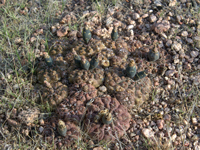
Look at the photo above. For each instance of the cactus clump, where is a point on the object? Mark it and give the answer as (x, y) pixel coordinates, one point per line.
(131, 69)
(153, 55)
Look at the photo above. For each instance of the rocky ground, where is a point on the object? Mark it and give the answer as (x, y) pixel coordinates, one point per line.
(50, 98)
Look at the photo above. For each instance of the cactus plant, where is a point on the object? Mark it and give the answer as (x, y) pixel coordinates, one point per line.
(62, 129)
(77, 58)
(86, 34)
(153, 55)
(48, 59)
(131, 69)
(140, 75)
(107, 118)
(94, 61)
(114, 34)
(85, 63)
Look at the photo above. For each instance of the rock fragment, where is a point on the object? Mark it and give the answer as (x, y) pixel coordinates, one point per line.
(147, 133)
(153, 18)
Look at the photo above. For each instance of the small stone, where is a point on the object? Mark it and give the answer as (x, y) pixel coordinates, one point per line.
(156, 83)
(195, 137)
(167, 117)
(132, 22)
(163, 35)
(196, 80)
(147, 133)
(41, 122)
(136, 16)
(33, 39)
(53, 29)
(184, 34)
(172, 3)
(197, 38)
(173, 137)
(187, 66)
(97, 148)
(160, 124)
(185, 122)
(168, 43)
(153, 18)
(176, 46)
(39, 31)
(145, 15)
(183, 1)
(130, 27)
(62, 31)
(189, 40)
(41, 129)
(18, 40)
(162, 26)
(85, 13)
(14, 113)
(91, 144)
(194, 54)
(13, 123)
(170, 73)
(16, 86)
(194, 121)
(132, 134)
(102, 88)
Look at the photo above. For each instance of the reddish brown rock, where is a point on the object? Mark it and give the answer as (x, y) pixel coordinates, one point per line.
(162, 26)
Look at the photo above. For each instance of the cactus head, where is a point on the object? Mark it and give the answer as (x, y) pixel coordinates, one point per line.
(153, 55)
(131, 69)
(114, 34)
(84, 63)
(48, 59)
(86, 34)
(77, 58)
(140, 75)
(107, 118)
(62, 129)
(94, 61)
